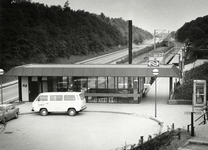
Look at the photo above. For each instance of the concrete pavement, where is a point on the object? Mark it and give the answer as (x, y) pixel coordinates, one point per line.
(168, 114)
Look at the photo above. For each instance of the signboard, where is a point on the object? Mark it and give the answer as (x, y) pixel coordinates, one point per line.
(153, 63)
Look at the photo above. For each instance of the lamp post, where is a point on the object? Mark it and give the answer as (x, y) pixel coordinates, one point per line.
(1, 74)
(155, 73)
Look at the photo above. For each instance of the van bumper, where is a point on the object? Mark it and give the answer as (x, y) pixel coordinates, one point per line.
(83, 108)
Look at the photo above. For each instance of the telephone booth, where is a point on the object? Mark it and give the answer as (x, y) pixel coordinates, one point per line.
(199, 93)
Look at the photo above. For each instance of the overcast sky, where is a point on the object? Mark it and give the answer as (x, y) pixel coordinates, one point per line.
(146, 14)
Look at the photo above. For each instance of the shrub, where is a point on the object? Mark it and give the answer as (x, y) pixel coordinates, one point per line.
(185, 90)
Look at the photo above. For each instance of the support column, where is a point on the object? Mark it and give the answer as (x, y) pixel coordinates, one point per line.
(25, 89)
(170, 85)
(20, 88)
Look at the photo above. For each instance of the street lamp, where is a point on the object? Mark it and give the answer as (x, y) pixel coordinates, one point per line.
(155, 73)
(1, 74)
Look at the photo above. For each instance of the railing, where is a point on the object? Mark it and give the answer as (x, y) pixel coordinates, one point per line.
(205, 119)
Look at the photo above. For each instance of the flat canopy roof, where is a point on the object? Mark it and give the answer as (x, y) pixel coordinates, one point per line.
(111, 70)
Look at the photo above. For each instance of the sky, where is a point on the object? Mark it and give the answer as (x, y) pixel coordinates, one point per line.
(149, 15)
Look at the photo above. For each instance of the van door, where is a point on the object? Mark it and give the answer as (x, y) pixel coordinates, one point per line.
(41, 102)
(55, 103)
(70, 101)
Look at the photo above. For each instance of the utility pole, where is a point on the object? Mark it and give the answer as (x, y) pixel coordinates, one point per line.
(130, 41)
(1, 74)
(154, 39)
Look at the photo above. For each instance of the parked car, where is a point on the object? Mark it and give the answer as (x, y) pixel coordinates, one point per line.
(7, 112)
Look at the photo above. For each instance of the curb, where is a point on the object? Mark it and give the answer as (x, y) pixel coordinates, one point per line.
(198, 142)
(155, 119)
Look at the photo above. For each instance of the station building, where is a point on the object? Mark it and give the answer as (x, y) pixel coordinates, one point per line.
(108, 83)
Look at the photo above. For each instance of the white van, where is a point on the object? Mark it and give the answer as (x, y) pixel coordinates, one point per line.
(70, 102)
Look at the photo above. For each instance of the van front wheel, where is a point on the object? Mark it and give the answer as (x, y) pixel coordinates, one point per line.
(71, 112)
(44, 112)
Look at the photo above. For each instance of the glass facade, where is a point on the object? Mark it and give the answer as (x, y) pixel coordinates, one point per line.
(97, 89)
(199, 93)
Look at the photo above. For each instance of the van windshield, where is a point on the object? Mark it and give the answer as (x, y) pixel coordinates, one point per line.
(81, 95)
(42, 98)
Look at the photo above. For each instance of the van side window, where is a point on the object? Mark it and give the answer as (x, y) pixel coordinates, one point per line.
(56, 98)
(81, 95)
(69, 98)
(43, 98)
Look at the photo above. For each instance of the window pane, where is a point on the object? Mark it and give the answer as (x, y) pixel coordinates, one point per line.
(125, 82)
(111, 82)
(120, 83)
(80, 83)
(82, 96)
(199, 89)
(59, 97)
(56, 98)
(130, 82)
(92, 82)
(69, 97)
(43, 98)
(70, 84)
(62, 83)
(102, 82)
(52, 98)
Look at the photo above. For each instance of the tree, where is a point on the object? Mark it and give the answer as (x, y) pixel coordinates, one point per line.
(66, 4)
(35, 33)
(5, 3)
(196, 33)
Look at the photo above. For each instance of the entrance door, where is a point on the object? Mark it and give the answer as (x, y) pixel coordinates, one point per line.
(33, 90)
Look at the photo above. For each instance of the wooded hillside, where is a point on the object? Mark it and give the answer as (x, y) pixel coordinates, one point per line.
(196, 32)
(35, 33)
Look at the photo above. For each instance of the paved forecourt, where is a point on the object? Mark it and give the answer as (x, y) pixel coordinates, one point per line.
(100, 126)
